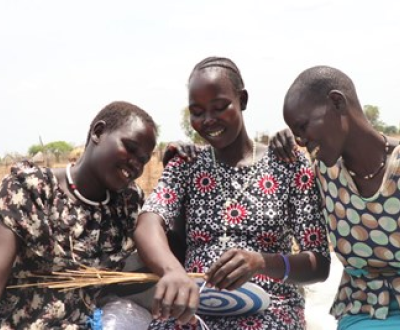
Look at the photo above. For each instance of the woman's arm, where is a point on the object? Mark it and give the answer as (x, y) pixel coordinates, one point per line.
(237, 266)
(8, 252)
(176, 294)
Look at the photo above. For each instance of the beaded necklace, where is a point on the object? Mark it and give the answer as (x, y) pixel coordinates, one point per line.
(78, 195)
(224, 239)
(381, 165)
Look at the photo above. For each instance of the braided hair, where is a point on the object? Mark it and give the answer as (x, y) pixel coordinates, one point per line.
(224, 63)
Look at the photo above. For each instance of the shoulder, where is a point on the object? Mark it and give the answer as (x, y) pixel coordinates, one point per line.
(133, 193)
(301, 161)
(179, 164)
(29, 175)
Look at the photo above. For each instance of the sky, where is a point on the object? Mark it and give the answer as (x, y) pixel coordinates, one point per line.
(63, 61)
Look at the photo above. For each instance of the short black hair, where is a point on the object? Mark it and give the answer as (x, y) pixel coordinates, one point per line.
(118, 113)
(222, 63)
(320, 80)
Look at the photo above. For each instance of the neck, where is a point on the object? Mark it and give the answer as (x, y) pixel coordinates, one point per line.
(86, 183)
(365, 152)
(237, 154)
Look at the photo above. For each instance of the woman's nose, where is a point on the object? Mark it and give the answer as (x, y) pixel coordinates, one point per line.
(209, 119)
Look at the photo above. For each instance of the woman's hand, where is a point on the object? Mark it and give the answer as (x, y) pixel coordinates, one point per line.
(284, 145)
(234, 268)
(176, 296)
(185, 150)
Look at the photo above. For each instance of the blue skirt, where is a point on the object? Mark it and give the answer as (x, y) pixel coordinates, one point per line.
(364, 322)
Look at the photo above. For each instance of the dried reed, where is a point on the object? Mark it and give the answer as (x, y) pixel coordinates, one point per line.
(89, 276)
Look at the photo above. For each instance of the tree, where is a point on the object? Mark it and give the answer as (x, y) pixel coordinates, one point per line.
(188, 130)
(60, 147)
(57, 148)
(372, 113)
(34, 149)
(390, 130)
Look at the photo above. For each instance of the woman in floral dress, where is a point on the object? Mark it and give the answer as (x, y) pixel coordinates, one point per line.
(237, 208)
(58, 219)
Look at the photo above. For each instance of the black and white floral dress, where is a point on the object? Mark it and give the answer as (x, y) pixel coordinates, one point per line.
(281, 202)
(55, 234)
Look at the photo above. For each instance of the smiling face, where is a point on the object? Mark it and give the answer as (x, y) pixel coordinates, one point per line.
(120, 154)
(317, 126)
(216, 107)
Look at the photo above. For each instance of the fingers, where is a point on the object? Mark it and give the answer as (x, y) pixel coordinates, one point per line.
(231, 271)
(187, 151)
(169, 153)
(179, 302)
(191, 306)
(284, 145)
(216, 266)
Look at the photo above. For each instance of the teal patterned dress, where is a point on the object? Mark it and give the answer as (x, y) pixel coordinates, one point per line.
(365, 233)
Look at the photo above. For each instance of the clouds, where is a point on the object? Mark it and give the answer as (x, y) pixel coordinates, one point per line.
(63, 61)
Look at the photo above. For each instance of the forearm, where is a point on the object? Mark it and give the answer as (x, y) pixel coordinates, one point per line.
(152, 245)
(8, 252)
(305, 267)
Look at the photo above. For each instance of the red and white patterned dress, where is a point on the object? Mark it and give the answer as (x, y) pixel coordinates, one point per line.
(280, 203)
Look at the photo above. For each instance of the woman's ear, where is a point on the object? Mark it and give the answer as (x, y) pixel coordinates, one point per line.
(244, 97)
(97, 130)
(338, 100)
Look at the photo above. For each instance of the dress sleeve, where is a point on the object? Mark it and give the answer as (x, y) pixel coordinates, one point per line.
(24, 197)
(167, 198)
(307, 221)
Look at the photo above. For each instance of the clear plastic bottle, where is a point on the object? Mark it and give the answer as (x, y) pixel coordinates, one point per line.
(124, 314)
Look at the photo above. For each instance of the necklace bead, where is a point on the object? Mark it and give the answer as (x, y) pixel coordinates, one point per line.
(78, 195)
(381, 165)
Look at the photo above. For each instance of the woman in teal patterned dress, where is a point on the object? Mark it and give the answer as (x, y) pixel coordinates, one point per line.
(358, 170)
(85, 214)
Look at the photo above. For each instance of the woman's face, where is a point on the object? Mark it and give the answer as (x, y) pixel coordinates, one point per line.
(215, 107)
(319, 128)
(120, 155)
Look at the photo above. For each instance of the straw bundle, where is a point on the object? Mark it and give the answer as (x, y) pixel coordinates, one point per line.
(88, 276)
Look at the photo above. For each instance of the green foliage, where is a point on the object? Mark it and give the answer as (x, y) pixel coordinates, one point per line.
(34, 149)
(59, 147)
(373, 115)
(390, 130)
(188, 130)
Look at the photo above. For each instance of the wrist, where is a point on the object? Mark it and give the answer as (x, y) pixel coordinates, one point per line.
(286, 264)
(172, 269)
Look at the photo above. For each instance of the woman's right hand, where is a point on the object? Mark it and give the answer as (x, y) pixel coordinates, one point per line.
(284, 145)
(177, 296)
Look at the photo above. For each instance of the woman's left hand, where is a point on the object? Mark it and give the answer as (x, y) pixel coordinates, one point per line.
(234, 268)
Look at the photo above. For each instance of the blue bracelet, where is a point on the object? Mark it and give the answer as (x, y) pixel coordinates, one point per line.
(287, 267)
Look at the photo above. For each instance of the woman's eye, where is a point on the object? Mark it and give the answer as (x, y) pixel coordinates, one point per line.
(196, 112)
(222, 107)
(130, 148)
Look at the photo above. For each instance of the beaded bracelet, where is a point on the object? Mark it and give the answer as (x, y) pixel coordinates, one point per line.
(287, 267)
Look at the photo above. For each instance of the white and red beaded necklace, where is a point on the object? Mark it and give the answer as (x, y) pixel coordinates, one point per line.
(78, 195)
